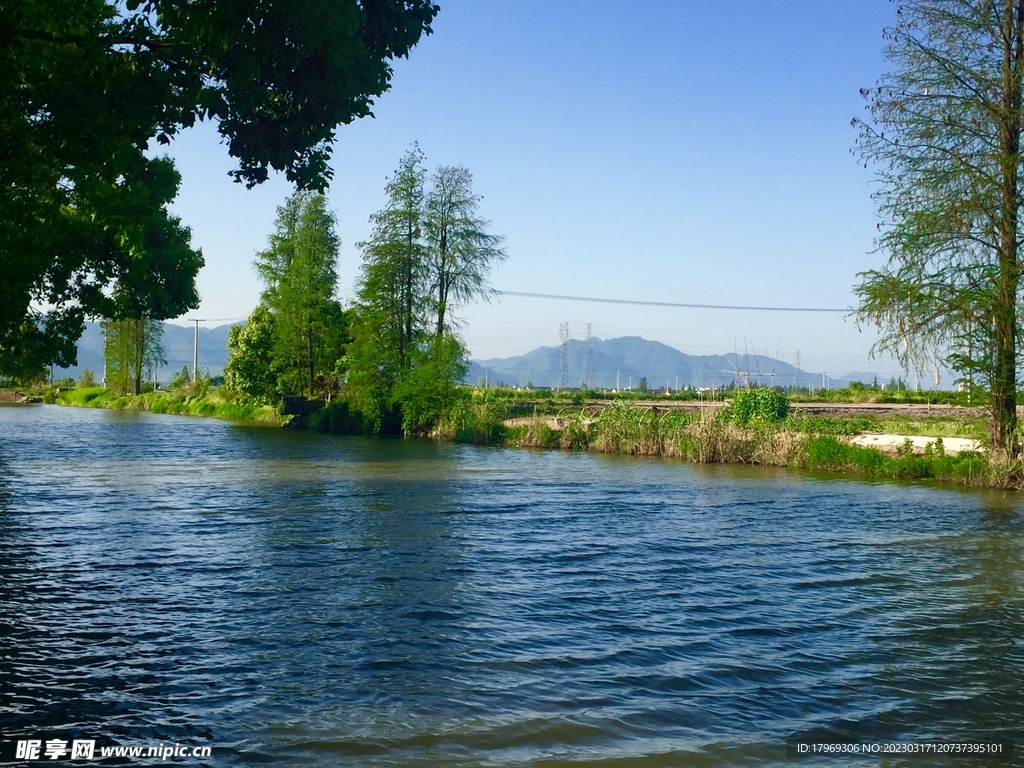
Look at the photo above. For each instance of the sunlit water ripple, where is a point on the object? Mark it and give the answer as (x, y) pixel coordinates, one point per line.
(292, 598)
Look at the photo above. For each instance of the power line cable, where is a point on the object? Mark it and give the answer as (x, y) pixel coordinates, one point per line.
(664, 303)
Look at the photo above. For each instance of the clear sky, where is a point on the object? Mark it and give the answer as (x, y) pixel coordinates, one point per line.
(670, 150)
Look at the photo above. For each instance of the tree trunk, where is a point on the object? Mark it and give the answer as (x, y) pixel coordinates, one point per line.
(406, 335)
(1004, 379)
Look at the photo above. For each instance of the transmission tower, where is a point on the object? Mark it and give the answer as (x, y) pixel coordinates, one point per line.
(588, 361)
(563, 361)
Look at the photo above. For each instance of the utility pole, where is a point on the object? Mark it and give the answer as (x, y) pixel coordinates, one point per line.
(195, 351)
(563, 360)
(617, 375)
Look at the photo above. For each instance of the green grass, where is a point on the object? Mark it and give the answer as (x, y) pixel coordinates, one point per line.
(217, 402)
(826, 453)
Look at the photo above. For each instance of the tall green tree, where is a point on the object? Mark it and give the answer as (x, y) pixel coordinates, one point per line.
(299, 270)
(460, 250)
(944, 135)
(394, 259)
(86, 86)
(392, 293)
(132, 351)
(429, 252)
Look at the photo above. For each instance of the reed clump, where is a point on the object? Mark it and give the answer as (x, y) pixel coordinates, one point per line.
(476, 423)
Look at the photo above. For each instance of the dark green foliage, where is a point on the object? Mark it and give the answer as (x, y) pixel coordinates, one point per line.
(87, 85)
(393, 292)
(339, 417)
(761, 404)
(394, 289)
(827, 425)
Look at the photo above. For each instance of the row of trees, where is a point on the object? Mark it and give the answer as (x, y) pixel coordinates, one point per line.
(396, 353)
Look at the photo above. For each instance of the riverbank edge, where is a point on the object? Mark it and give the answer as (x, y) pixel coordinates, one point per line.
(176, 403)
(816, 444)
(702, 438)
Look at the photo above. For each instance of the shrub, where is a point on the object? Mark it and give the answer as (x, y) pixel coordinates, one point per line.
(760, 404)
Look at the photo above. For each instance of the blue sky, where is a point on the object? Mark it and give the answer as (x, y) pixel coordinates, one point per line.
(692, 152)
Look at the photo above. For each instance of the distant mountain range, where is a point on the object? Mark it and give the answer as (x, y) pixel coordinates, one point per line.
(624, 361)
(618, 362)
(178, 342)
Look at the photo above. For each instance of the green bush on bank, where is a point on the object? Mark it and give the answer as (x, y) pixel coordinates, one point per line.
(760, 404)
(811, 443)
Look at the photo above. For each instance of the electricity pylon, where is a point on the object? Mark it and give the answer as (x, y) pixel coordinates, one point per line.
(588, 361)
(563, 361)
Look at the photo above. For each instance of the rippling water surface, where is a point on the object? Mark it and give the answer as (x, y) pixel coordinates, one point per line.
(303, 600)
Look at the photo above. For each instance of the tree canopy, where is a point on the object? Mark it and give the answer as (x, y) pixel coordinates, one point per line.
(89, 87)
(460, 250)
(945, 138)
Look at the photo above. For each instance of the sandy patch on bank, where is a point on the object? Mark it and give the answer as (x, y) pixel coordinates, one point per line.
(892, 442)
(551, 422)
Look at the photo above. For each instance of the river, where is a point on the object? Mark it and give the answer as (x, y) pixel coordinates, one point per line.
(292, 598)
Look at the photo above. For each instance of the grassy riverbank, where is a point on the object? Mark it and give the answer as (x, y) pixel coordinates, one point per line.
(809, 443)
(711, 434)
(187, 401)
